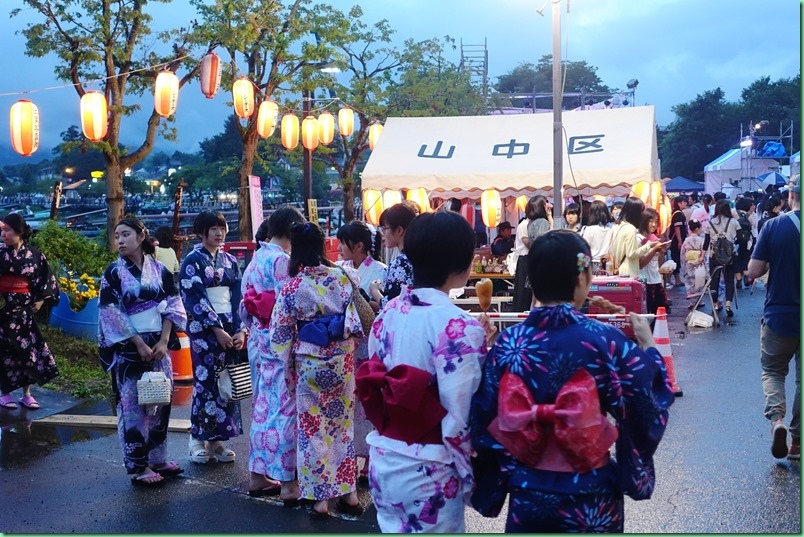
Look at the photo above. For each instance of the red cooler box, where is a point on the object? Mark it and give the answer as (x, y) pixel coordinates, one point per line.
(622, 291)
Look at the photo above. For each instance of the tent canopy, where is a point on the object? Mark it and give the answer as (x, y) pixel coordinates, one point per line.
(736, 167)
(605, 152)
(682, 184)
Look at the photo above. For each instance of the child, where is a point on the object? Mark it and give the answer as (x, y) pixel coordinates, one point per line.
(692, 257)
(649, 263)
(572, 215)
(539, 378)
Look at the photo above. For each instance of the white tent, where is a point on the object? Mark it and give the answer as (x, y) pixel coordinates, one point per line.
(735, 168)
(605, 152)
(795, 163)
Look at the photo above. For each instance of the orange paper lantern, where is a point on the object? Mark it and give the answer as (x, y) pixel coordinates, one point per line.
(655, 195)
(309, 133)
(467, 210)
(266, 118)
(641, 190)
(665, 212)
(420, 198)
(522, 203)
(166, 93)
(290, 131)
(391, 198)
(210, 74)
(326, 128)
(346, 121)
(491, 208)
(94, 120)
(372, 205)
(374, 134)
(24, 123)
(243, 96)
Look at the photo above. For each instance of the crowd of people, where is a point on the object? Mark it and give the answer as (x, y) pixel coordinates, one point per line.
(358, 360)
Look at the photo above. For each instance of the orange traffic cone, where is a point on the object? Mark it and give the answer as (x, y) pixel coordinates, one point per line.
(661, 335)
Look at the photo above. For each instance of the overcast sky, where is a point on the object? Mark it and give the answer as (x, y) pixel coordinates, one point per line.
(677, 49)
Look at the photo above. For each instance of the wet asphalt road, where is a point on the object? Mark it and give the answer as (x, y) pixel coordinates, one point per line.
(715, 472)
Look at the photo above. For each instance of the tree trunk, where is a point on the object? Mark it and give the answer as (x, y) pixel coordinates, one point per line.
(246, 166)
(348, 199)
(114, 197)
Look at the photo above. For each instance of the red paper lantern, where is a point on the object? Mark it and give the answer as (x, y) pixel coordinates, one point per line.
(24, 123)
(468, 211)
(166, 93)
(94, 119)
(210, 74)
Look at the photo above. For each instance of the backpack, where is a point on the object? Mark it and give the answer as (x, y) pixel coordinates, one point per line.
(744, 234)
(722, 248)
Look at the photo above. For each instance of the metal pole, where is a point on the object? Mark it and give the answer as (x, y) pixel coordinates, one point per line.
(558, 162)
(307, 100)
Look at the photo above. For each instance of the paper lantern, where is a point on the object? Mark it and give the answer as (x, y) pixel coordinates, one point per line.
(467, 210)
(326, 128)
(94, 120)
(391, 198)
(266, 118)
(243, 94)
(665, 212)
(166, 93)
(346, 121)
(641, 190)
(655, 195)
(309, 133)
(599, 197)
(290, 131)
(210, 74)
(374, 134)
(372, 205)
(491, 208)
(420, 198)
(24, 123)
(522, 203)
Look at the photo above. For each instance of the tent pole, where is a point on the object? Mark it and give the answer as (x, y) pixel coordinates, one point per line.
(558, 161)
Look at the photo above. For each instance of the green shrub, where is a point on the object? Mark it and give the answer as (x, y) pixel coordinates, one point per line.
(68, 251)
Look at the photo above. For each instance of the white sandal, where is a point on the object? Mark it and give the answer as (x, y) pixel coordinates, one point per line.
(198, 451)
(220, 452)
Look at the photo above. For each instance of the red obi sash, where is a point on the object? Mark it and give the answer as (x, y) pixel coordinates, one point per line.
(14, 284)
(569, 436)
(260, 306)
(402, 403)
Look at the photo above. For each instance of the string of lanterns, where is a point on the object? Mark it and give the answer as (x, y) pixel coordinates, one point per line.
(24, 119)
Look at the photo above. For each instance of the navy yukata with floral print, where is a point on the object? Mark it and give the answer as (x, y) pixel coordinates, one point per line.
(545, 351)
(211, 417)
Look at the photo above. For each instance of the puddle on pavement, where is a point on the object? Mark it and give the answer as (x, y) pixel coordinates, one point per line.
(23, 440)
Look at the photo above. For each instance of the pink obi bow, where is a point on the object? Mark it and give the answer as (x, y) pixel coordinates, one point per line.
(569, 436)
(260, 306)
(402, 403)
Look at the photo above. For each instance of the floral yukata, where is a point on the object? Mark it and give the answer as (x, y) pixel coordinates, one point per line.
(131, 302)
(553, 345)
(323, 376)
(693, 243)
(273, 421)
(423, 487)
(368, 271)
(211, 417)
(26, 358)
(399, 276)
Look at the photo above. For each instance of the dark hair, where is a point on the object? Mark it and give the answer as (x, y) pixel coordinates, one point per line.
(164, 235)
(399, 215)
(616, 205)
(16, 222)
(717, 196)
(455, 204)
(572, 208)
(678, 199)
(281, 219)
(599, 214)
(553, 265)
(772, 202)
(358, 231)
(536, 208)
(262, 233)
(706, 198)
(694, 197)
(647, 215)
(632, 211)
(438, 245)
(722, 208)
(136, 224)
(744, 204)
(693, 225)
(306, 247)
(206, 220)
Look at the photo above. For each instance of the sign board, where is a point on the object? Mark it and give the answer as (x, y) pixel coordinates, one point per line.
(255, 201)
(312, 210)
(97, 174)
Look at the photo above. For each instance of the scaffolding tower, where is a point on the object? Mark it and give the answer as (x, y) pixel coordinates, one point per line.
(475, 62)
(759, 145)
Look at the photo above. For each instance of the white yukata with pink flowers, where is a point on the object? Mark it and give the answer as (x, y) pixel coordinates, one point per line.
(424, 487)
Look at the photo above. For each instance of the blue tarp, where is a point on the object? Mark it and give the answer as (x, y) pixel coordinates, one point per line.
(682, 184)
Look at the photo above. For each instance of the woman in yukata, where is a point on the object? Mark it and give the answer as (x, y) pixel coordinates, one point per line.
(27, 283)
(313, 331)
(138, 313)
(692, 252)
(426, 358)
(358, 248)
(210, 289)
(394, 222)
(540, 420)
(273, 413)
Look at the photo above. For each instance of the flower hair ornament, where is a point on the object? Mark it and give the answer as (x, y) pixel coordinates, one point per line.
(583, 261)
